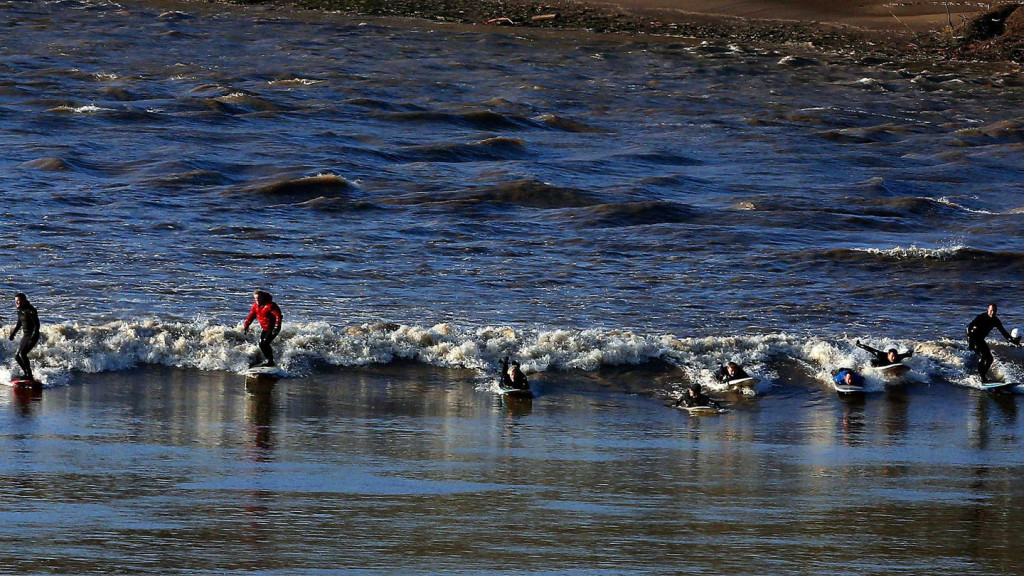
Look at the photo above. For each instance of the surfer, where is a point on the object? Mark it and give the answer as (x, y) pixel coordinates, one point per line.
(847, 377)
(731, 371)
(266, 311)
(885, 358)
(28, 319)
(695, 396)
(512, 376)
(978, 330)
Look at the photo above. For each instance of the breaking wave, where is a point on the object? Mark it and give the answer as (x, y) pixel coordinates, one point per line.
(304, 348)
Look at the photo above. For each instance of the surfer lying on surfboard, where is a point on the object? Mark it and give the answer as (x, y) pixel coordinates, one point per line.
(269, 316)
(512, 376)
(885, 358)
(695, 396)
(731, 371)
(847, 377)
(28, 319)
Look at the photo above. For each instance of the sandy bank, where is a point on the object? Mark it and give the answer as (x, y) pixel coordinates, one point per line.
(917, 30)
(867, 14)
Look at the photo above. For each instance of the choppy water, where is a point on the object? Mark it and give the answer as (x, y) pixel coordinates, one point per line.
(622, 214)
(609, 200)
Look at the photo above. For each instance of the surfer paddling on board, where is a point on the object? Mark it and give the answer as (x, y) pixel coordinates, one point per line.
(28, 320)
(731, 371)
(978, 330)
(512, 376)
(269, 316)
(694, 396)
(885, 358)
(847, 377)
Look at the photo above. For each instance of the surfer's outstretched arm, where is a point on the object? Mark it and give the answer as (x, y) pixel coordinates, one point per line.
(874, 351)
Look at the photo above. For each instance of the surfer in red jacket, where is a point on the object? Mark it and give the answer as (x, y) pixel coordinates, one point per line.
(269, 316)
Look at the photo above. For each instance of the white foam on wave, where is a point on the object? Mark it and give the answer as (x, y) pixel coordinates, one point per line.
(301, 347)
(917, 252)
(294, 82)
(952, 204)
(88, 109)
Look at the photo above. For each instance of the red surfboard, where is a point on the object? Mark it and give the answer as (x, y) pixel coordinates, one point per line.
(26, 384)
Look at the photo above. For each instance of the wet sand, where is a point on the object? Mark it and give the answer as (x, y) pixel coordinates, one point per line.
(917, 30)
(870, 15)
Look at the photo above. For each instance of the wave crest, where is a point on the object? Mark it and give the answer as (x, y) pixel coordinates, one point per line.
(306, 347)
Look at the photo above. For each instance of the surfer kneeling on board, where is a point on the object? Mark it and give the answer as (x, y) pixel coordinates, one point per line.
(28, 319)
(512, 375)
(731, 371)
(847, 377)
(269, 316)
(885, 358)
(695, 396)
(978, 330)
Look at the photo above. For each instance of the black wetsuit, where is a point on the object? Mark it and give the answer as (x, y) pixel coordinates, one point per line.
(28, 319)
(723, 374)
(266, 337)
(882, 358)
(698, 399)
(518, 383)
(977, 331)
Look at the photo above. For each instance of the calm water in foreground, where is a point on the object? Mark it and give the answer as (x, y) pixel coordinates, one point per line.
(398, 469)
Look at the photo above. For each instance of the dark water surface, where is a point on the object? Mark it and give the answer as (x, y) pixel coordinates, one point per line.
(163, 163)
(621, 214)
(398, 469)
(454, 194)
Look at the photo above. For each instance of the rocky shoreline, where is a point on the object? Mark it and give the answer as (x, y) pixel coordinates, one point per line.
(996, 35)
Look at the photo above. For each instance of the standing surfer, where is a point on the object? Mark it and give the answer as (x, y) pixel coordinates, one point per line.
(28, 319)
(977, 331)
(269, 316)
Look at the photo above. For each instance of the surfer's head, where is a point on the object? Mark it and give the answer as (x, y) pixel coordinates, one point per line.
(20, 299)
(695, 388)
(992, 309)
(732, 367)
(262, 296)
(892, 355)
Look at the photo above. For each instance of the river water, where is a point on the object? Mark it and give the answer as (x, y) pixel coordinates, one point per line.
(621, 214)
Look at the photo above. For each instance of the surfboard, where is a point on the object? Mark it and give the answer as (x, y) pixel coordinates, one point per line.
(892, 370)
(844, 389)
(748, 382)
(703, 410)
(1000, 386)
(264, 371)
(26, 384)
(517, 392)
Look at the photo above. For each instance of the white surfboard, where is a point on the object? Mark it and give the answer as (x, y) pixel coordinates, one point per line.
(266, 371)
(892, 370)
(844, 389)
(703, 410)
(748, 382)
(516, 392)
